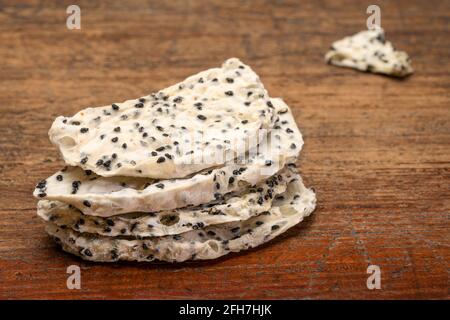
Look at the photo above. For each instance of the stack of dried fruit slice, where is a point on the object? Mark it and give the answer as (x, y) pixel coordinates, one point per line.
(195, 171)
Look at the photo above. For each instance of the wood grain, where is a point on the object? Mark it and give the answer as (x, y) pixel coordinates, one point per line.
(377, 150)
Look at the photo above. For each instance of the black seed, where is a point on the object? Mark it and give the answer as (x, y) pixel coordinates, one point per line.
(244, 121)
(381, 38)
(117, 129)
(75, 123)
(235, 229)
(160, 149)
(110, 222)
(275, 227)
(115, 139)
(114, 156)
(107, 164)
(229, 93)
(160, 128)
(198, 225)
(139, 105)
(168, 156)
(230, 80)
(87, 252)
(161, 159)
(289, 130)
(59, 177)
(84, 160)
(87, 203)
(258, 223)
(41, 184)
(107, 229)
(76, 184)
(201, 117)
(178, 99)
(43, 194)
(270, 104)
(154, 153)
(160, 185)
(124, 146)
(268, 163)
(231, 180)
(115, 106)
(102, 136)
(122, 231)
(293, 146)
(84, 130)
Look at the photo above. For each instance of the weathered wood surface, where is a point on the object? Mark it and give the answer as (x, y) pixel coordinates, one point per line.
(377, 150)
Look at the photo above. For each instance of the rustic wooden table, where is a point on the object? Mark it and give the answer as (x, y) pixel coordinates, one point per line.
(377, 150)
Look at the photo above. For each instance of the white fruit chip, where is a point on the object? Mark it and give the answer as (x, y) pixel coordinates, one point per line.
(167, 134)
(369, 51)
(208, 243)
